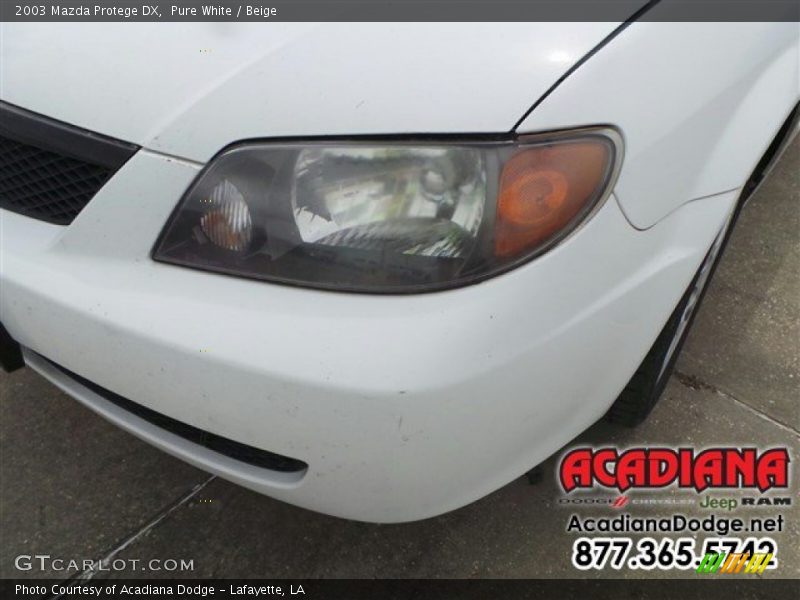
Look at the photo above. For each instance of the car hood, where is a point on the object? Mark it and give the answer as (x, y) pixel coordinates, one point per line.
(191, 89)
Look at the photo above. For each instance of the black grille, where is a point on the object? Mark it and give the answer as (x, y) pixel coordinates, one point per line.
(45, 185)
(50, 170)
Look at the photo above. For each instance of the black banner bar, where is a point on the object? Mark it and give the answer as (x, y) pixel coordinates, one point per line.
(397, 10)
(696, 587)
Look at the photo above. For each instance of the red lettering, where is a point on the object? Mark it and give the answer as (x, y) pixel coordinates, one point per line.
(773, 469)
(740, 468)
(662, 468)
(631, 470)
(602, 473)
(576, 469)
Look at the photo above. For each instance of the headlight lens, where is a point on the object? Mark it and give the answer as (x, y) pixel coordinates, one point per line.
(388, 217)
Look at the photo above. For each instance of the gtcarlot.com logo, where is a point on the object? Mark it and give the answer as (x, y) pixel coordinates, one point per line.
(45, 562)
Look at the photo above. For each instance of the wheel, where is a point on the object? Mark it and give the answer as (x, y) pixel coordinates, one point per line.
(644, 389)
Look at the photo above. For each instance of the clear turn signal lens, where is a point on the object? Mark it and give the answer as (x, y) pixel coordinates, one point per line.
(226, 222)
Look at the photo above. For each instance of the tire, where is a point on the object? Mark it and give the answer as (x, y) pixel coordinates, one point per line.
(643, 391)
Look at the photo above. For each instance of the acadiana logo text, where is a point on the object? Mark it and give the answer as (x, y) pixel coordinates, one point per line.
(662, 467)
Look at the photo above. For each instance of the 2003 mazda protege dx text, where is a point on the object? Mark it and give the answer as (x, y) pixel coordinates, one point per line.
(374, 270)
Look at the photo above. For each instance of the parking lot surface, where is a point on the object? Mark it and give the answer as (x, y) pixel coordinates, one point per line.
(75, 487)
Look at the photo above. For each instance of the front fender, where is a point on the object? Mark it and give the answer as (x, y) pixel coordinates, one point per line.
(698, 105)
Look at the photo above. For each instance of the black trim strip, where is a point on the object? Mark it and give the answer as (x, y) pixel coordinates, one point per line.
(56, 136)
(230, 448)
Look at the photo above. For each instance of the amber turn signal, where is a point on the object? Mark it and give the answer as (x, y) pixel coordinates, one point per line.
(544, 190)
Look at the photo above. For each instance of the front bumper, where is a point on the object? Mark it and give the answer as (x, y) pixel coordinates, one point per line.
(403, 407)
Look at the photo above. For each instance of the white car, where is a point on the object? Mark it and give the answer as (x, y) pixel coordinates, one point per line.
(374, 270)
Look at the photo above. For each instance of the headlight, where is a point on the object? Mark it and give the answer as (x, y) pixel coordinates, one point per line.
(374, 216)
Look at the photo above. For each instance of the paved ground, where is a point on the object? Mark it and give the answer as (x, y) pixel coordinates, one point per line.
(75, 487)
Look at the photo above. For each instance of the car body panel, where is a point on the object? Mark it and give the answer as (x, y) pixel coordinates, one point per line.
(403, 406)
(698, 105)
(408, 406)
(191, 89)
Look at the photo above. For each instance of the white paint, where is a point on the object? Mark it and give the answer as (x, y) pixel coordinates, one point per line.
(697, 103)
(403, 406)
(191, 88)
